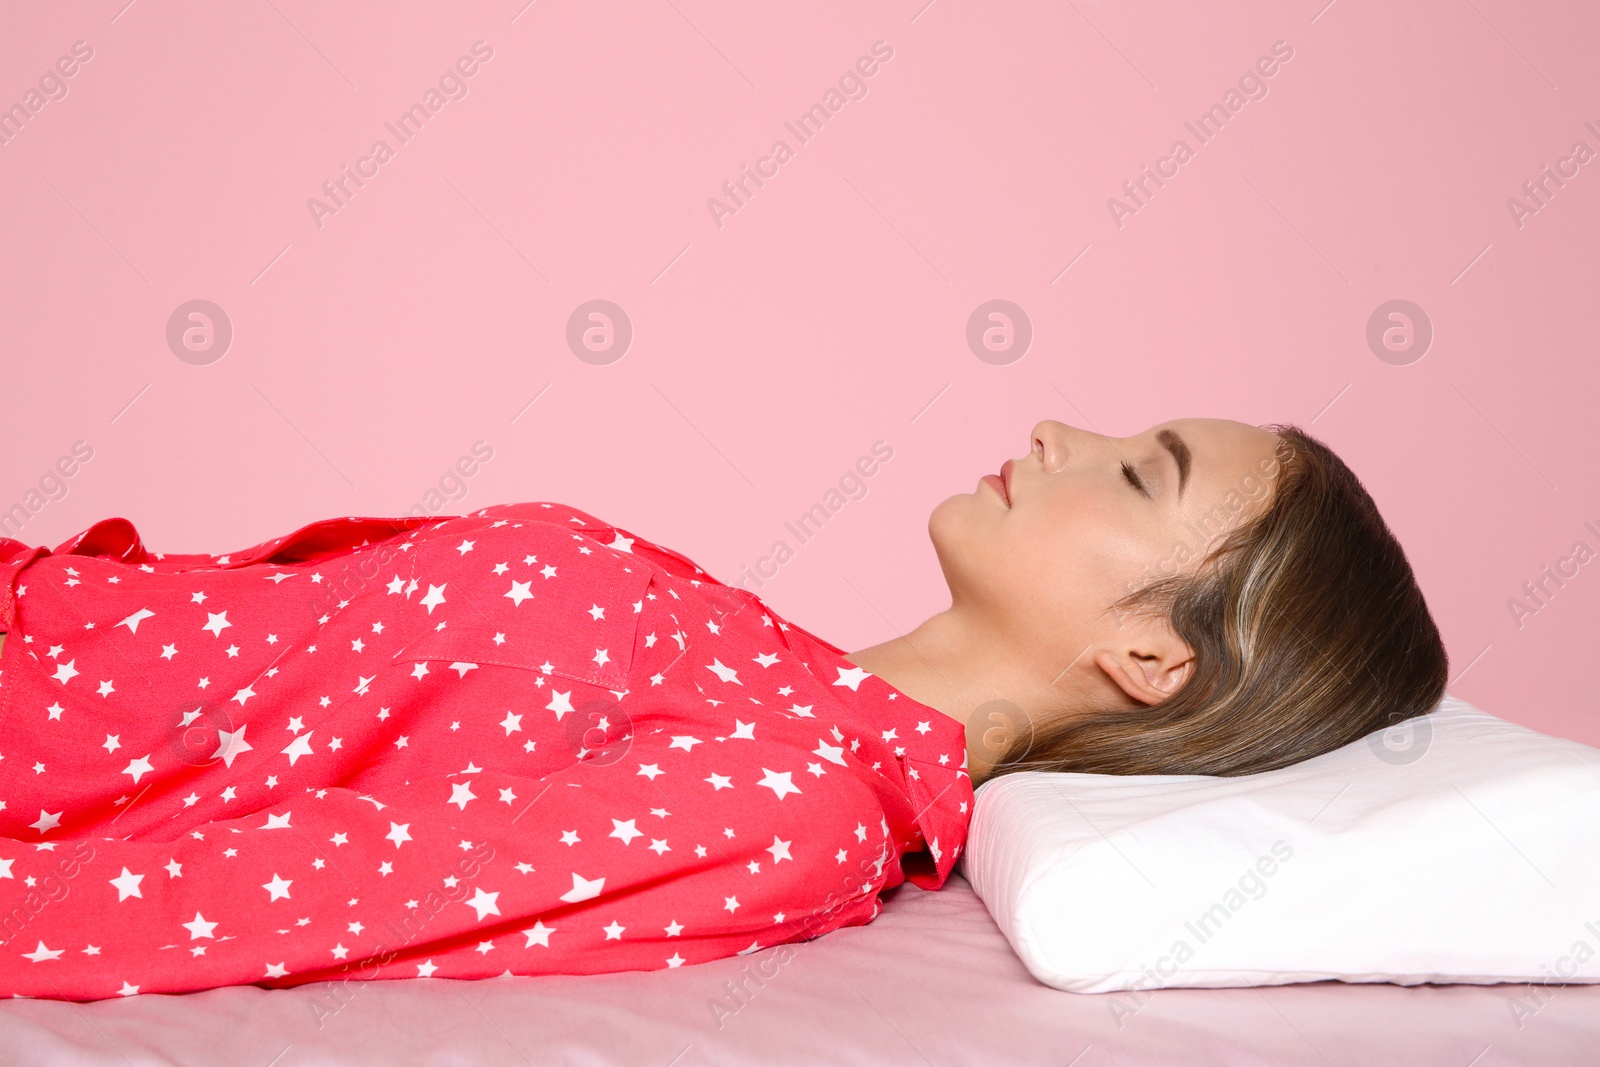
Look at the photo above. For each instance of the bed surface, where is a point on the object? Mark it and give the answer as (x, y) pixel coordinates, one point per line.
(932, 981)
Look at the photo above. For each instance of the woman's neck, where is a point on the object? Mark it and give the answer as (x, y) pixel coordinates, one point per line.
(960, 669)
(908, 663)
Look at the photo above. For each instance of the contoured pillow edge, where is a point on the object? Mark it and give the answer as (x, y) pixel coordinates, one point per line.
(1434, 871)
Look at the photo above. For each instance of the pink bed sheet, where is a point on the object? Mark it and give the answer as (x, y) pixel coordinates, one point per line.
(932, 981)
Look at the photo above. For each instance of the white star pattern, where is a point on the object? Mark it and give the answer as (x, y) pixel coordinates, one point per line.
(40, 954)
(727, 674)
(583, 888)
(127, 884)
(484, 904)
(434, 598)
(300, 746)
(852, 677)
(198, 927)
(232, 745)
(460, 794)
(132, 621)
(781, 784)
(655, 656)
(832, 753)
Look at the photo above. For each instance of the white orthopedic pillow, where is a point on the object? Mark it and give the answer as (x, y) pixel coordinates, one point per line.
(1457, 847)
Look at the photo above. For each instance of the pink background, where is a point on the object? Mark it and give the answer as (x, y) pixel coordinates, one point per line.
(769, 353)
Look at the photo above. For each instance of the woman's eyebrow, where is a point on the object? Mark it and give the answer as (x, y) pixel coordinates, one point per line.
(1180, 454)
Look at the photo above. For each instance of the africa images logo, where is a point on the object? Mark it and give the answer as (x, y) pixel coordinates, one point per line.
(851, 85)
(1252, 85)
(451, 85)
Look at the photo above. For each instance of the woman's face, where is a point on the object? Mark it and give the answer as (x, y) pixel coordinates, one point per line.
(1044, 546)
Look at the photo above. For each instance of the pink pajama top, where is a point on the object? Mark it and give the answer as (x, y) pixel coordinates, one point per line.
(520, 741)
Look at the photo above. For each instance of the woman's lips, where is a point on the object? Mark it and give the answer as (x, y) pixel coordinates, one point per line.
(995, 482)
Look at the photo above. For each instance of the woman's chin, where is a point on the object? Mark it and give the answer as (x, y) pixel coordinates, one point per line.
(949, 516)
(972, 510)
(959, 530)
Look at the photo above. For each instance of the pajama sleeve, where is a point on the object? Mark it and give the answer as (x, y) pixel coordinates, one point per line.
(660, 850)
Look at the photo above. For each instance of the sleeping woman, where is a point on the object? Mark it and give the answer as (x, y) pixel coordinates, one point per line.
(526, 741)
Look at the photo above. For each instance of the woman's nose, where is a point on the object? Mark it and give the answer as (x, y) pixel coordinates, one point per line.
(1050, 443)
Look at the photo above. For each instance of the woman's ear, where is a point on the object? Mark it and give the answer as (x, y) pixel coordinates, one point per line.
(1150, 667)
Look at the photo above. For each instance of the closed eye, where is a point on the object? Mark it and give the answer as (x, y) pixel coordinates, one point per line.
(1134, 480)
